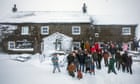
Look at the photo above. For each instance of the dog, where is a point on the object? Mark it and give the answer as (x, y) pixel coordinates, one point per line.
(79, 74)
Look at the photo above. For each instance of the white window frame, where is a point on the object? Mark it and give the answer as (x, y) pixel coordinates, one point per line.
(76, 43)
(44, 32)
(96, 35)
(126, 30)
(11, 46)
(25, 30)
(76, 32)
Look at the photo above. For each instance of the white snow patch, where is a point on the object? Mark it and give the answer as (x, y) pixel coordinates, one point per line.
(34, 72)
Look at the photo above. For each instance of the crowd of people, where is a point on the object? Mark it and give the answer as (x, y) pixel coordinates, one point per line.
(86, 59)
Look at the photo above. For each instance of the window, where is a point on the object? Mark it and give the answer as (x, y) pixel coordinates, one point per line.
(44, 30)
(76, 30)
(58, 44)
(11, 45)
(24, 30)
(24, 44)
(76, 45)
(96, 34)
(126, 31)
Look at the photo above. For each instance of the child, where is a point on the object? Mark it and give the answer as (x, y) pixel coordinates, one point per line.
(79, 74)
(55, 63)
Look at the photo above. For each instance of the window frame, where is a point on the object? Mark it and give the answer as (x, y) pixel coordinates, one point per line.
(9, 45)
(96, 35)
(76, 43)
(77, 32)
(25, 30)
(42, 30)
(126, 30)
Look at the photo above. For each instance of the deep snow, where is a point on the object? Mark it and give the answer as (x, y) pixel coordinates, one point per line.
(34, 72)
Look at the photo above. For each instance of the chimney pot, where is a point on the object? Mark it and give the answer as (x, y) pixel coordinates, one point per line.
(14, 9)
(84, 8)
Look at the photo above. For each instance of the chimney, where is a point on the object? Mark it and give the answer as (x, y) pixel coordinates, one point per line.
(14, 9)
(84, 8)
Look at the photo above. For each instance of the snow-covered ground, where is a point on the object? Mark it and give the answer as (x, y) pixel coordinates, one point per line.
(34, 72)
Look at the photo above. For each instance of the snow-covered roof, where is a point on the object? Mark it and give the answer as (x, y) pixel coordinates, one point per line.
(46, 17)
(113, 20)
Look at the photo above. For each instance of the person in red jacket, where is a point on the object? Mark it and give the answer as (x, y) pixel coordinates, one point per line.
(93, 49)
(96, 46)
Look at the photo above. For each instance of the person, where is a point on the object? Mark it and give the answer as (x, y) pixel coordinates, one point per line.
(124, 61)
(117, 58)
(87, 46)
(136, 44)
(92, 68)
(95, 58)
(96, 46)
(71, 69)
(55, 63)
(112, 49)
(70, 59)
(82, 45)
(99, 59)
(111, 65)
(81, 58)
(129, 64)
(88, 61)
(105, 56)
(76, 60)
(119, 61)
(125, 47)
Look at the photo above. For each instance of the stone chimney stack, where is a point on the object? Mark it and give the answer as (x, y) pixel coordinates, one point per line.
(84, 8)
(14, 9)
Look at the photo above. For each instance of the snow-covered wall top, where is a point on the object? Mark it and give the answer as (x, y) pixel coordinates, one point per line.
(46, 17)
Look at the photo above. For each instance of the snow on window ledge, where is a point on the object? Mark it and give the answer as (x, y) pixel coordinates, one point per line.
(29, 49)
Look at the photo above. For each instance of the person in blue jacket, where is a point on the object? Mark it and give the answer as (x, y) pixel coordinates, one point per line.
(55, 63)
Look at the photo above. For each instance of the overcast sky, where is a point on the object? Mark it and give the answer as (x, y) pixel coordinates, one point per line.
(126, 8)
(94, 6)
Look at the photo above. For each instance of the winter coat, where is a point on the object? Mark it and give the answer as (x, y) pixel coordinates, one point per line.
(124, 58)
(82, 56)
(125, 47)
(70, 58)
(88, 61)
(82, 45)
(136, 43)
(93, 50)
(105, 55)
(112, 50)
(95, 56)
(111, 62)
(76, 60)
(55, 60)
(96, 45)
(130, 61)
(87, 46)
(99, 56)
(117, 55)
